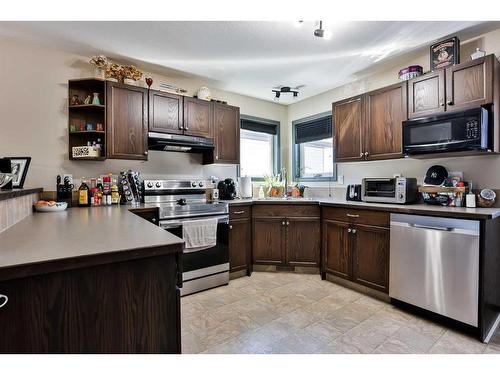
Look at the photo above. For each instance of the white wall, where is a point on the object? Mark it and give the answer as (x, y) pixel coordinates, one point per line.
(483, 171)
(34, 117)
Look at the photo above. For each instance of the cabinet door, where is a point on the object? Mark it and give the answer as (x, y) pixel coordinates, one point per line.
(336, 252)
(197, 117)
(127, 121)
(348, 120)
(165, 112)
(268, 240)
(227, 134)
(386, 109)
(303, 241)
(426, 94)
(371, 256)
(240, 244)
(470, 84)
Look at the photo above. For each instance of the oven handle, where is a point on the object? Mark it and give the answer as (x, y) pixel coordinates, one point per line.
(168, 224)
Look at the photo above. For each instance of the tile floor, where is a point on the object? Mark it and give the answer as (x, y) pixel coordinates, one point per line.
(297, 313)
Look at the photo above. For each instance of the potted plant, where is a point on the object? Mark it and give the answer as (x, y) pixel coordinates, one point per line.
(100, 63)
(274, 186)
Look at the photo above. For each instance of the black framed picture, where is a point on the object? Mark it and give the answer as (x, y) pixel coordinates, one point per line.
(445, 53)
(19, 167)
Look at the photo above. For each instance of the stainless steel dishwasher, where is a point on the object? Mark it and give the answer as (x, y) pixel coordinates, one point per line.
(434, 264)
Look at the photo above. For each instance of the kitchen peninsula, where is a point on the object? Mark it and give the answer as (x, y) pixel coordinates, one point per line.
(99, 280)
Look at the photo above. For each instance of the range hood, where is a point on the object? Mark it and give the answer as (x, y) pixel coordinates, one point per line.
(179, 143)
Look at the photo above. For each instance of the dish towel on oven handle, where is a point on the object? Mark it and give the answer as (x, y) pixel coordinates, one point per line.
(199, 234)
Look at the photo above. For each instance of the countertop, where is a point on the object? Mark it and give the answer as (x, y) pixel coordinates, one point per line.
(419, 208)
(12, 193)
(80, 233)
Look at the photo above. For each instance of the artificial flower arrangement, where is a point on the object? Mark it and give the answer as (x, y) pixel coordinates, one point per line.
(114, 70)
(274, 185)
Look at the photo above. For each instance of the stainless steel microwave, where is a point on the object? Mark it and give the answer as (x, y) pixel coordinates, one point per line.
(400, 190)
(458, 131)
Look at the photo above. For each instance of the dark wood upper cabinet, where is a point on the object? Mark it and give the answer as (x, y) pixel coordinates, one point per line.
(197, 117)
(166, 112)
(386, 109)
(370, 256)
(348, 125)
(126, 121)
(426, 94)
(470, 84)
(268, 240)
(336, 252)
(227, 133)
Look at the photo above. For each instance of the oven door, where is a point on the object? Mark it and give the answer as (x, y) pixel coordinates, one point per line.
(378, 190)
(206, 268)
(459, 131)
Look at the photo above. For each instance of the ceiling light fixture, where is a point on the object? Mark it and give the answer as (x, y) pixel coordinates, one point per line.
(284, 90)
(322, 33)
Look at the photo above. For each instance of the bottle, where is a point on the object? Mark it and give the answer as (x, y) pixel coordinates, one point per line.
(115, 194)
(83, 194)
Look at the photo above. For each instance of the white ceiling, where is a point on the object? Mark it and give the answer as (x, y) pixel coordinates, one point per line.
(249, 58)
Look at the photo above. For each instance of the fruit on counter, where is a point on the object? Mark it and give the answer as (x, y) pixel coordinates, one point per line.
(45, 203)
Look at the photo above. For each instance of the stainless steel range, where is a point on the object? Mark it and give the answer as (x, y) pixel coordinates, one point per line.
(182, 201)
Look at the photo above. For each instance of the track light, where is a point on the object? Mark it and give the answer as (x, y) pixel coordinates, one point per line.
(322, 33)
(284, 90)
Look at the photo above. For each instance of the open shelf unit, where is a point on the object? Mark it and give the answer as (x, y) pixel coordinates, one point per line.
(82, 114)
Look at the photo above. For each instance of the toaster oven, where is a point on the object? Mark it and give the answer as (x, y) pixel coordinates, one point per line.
(400, 190)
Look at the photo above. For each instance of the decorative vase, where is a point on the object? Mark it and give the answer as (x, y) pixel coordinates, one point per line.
(204, 93)
(99, 73)
(96, 99)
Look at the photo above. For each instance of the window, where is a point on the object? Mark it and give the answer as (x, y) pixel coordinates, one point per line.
(313, 148)
(259, 147)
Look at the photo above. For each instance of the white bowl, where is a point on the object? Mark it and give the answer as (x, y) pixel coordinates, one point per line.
(59, 206)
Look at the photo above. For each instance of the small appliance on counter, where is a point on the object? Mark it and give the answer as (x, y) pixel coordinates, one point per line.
(246, 187)
(353, 192)
(227, 189)
(399, 190)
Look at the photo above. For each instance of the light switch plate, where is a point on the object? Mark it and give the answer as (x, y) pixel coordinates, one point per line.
(340, 179)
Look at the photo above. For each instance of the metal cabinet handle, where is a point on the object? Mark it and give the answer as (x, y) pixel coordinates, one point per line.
(361, 154)
(230, 227)
(282, 223)
(349, 230)
(145, 152)
(217, 157)
(441, 104)
(238, 212)
(366, 153)
(153, 220)
(3, 300)
(352, 215)
(353, 231)
(449, 102)
(287, 223)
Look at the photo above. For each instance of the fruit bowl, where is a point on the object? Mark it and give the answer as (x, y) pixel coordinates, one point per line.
(50, 206)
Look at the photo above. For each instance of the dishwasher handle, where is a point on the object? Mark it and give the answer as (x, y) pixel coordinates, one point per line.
(451, 230)
(444, 229)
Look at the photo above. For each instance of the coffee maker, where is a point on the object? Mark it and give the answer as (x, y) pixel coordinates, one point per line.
(227, 189)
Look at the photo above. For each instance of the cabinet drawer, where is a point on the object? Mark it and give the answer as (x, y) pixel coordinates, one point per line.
(356, 216)
(286, 210)
(240, 212)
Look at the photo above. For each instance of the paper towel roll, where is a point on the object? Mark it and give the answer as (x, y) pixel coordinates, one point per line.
(246, 187)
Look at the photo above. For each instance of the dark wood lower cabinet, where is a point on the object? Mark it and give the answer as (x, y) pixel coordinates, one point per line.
(303, 241)
(240, 245)
(370, 256)
(126, 307)
(336, 252)
(268, 240)
(357, 252)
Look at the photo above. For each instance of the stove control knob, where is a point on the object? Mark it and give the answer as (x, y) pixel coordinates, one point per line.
(158, 184)
(193, 184)
(149, 184)
(201, 184)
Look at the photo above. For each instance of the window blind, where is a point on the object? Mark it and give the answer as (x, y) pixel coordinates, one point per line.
(259, 127)
(313, 130)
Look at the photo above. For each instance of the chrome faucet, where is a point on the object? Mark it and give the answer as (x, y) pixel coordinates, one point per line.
(285, 178)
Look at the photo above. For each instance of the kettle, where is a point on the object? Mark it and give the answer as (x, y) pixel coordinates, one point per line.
(227, 189)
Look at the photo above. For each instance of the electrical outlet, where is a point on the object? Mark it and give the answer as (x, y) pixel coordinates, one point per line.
(340, 179)
(396, 175)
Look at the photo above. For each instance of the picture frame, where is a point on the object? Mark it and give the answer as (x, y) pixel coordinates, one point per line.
(20, 166)
(445, 53)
